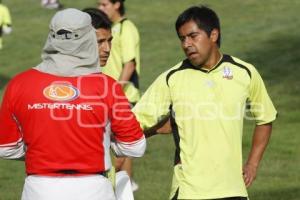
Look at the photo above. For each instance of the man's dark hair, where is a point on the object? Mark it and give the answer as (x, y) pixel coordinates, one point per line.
(99, 18)
(122, 6)
(204, 17)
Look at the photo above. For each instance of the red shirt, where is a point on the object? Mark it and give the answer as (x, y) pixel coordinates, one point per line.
(62, 120)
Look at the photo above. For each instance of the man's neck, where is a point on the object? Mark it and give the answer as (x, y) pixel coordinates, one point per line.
(212, 61)
(116, 18)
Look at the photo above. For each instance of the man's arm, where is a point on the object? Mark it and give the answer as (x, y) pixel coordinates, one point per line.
(129, 51)
(152, 110)
(128, 138)
(13, 151)
(127, 72)
(162, 127)
(264, 113)
(260, 141)
(11, 141)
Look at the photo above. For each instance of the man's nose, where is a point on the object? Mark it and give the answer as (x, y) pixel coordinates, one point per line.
(100, 7)
(186, 43)
(107, 46)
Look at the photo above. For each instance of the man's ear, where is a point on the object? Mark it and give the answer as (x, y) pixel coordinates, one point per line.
(214, 35)
(117, 5)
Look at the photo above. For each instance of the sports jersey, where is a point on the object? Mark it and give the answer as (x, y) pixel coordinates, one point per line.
(207, 112)
(5, 20)
(125, 48)
(62, 123)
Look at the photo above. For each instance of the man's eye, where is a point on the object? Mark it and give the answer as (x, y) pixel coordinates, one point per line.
(194, 35)
(182, 39)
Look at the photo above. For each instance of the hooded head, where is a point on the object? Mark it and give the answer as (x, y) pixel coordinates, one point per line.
(71, 47)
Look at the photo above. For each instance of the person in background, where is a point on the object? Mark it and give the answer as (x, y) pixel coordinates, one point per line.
(5, 22)
(59, 123)
(51, 4)
(124, 61)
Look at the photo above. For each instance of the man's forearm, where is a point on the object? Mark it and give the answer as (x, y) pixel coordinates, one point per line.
(162, 127)
(127, 72)
(260, 141)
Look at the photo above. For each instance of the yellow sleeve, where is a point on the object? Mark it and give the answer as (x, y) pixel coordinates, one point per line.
(6, 16)
(129, 41)
(154, 104)
(261, 105)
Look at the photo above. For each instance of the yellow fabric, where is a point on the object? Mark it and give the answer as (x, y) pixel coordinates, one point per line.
(208, 108)
(125, 48)
(5, 18)
(111, 175)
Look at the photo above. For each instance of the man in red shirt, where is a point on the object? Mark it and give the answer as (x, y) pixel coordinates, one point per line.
(59, 121)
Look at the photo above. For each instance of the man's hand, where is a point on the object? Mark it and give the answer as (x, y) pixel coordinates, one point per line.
(166, 128)
(249, 174)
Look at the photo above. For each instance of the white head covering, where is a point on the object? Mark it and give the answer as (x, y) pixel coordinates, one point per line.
(71, 48)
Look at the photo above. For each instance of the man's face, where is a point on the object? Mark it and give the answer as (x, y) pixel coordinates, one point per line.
(195, 42)
(107, 7)
(104, 38)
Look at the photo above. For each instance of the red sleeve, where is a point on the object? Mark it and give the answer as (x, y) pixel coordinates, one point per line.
(9, 129)
(123, 122)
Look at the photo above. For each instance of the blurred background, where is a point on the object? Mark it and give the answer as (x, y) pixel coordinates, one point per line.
(264, 33)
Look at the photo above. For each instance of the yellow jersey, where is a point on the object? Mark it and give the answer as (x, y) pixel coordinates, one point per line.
(125, 48)
(207, 109)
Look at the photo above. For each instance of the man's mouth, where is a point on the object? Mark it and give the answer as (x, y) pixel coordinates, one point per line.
(104, 57)
(191, 54)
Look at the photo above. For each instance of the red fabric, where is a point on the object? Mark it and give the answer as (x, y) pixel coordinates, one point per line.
(58, 134)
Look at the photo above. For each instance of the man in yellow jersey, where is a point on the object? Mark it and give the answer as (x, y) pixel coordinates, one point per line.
(124, 61)
(205, 96)
(5, 22)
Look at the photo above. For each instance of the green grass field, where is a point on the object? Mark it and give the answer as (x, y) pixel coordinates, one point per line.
(265, 33)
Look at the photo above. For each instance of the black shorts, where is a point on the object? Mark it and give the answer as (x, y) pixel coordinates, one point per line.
(228, 198)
